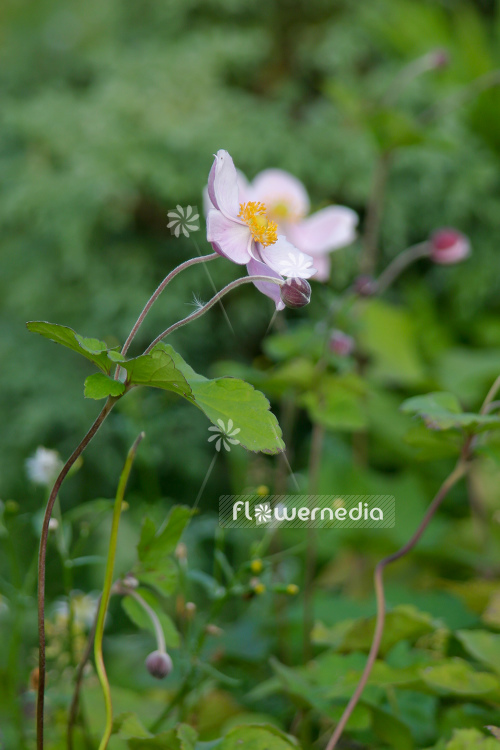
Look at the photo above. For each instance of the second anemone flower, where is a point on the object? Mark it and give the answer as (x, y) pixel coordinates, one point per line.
(242, 232)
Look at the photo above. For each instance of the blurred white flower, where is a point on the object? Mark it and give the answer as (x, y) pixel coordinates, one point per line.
(44, 466)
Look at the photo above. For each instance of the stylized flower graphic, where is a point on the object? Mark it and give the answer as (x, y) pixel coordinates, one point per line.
(183, 220)
(263, 513)
(224, 436)
(296, 266)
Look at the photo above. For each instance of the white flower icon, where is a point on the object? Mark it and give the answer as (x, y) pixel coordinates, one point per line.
(224, 436)
(263, 513)
(183, 220)
(296, 265)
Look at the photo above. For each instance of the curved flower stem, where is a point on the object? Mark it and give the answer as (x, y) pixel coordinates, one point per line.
(42, 558)
(159, 290)
(211, 303)
(458, 472)
(160, 637)
(400, 263)
(488, 401)
(106, 592)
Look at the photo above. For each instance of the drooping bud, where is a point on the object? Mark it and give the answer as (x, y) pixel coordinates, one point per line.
(365, 286)
(296, 293)
(449, 246)
(159, 664)
(341, 344)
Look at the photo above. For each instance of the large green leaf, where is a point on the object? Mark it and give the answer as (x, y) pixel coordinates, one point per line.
(472, 739)
(229, 400)
(157, 370)
(93, 349)
(457, 677)
(483, 646)
(441, 411)
(157, 544)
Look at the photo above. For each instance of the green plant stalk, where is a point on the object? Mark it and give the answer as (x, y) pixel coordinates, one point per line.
(106, 592)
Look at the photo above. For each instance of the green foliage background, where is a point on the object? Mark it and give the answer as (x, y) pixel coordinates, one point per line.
(110, 113)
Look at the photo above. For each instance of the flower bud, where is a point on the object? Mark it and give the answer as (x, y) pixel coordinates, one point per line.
(292, 589)
(159, 664)
(296, 293)
(365, 286)
(448, 246)
(440, 58)
(341, 344)
(181, 552)
(53, 524)
(214, 630)
(256, 566)
(190, 610)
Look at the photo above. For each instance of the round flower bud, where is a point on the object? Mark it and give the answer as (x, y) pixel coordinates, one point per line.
(296, 293)
(256, 566)
(365, 286)
(292, 589)
(190, 610)
(341, 344)
(159, 664)
(53, 524)
(448, 246)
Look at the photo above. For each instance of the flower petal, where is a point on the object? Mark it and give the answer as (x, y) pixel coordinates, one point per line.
(243, 193)
(281, 192)
(286, 260)
(256, 268)
(326, 230)
(223, 185)
(229, 238)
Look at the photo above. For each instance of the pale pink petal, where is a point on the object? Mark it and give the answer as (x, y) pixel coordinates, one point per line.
(281, 191)
(322, 266)
(326, 230)
(256, 268)
(223, 185)
(286, 260)
(243, 188)
(229, 238)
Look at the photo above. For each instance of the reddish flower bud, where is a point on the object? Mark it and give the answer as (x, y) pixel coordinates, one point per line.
(159, 664)
(449, 246)
(365, 286)
(296, 293)
(341, 344)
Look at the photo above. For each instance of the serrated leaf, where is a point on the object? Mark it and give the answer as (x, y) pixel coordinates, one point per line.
(157, 370)
(483, 646)
(457, 677)
(93, 349)
(142, 620)
(99, 386)
(162, 579)
(230, 399)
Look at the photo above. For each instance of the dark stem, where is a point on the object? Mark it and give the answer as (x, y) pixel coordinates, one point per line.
(41, 564)
(457, 473)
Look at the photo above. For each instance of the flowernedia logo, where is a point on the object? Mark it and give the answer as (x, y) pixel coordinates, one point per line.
(317, 511)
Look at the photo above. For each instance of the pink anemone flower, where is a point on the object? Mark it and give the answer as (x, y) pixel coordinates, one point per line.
(288, 206)
(241, 231)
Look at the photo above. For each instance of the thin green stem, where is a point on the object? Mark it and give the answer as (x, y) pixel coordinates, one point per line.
(106, 592)
(211, 303)
(160, 637)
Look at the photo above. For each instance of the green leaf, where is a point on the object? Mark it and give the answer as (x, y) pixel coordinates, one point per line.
(154, 546)
(457, 677)
(257, 737)
(157, 370)
(391, 730)
(128, 725)
(404, 622)
(471, 739)
(338, 403)
(181, 737)
(441, 411)
(483, 646)
(163, 579)
(100, 385)
(142, 620)
(93, 349)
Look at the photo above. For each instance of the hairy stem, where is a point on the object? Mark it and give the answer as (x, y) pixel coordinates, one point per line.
(149, 304)
(457, 473)
(106, 592)
(42, 559)
(198, 313)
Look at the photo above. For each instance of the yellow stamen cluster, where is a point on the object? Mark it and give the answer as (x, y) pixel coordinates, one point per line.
(254, 215)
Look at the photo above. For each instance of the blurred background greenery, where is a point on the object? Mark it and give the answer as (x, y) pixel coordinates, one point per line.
(110, 113)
